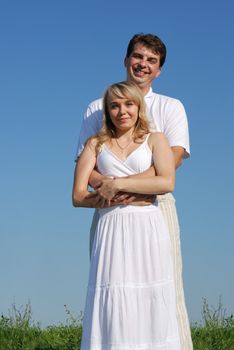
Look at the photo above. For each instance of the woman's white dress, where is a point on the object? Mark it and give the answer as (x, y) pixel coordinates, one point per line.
(130, 301)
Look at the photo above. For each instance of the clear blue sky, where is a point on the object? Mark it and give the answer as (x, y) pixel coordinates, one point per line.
(56, 56)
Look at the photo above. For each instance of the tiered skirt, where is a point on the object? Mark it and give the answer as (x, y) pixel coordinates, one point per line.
(130, 301)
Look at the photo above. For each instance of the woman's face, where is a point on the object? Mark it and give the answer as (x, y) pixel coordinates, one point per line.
(123, 113)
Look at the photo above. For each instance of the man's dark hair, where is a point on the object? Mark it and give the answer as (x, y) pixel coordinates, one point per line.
(150, 41)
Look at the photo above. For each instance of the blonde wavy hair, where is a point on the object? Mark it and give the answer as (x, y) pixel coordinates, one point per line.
(129, 90)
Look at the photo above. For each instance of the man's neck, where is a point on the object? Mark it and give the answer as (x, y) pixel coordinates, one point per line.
(145, 89)
(144, 86)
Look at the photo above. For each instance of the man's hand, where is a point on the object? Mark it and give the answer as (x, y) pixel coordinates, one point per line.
(97, 200)
(120, 198)
(133, 199)
(102, 180)
(96, 179)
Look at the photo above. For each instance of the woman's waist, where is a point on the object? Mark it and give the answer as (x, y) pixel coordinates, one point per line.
(138, 206)
(118, 209)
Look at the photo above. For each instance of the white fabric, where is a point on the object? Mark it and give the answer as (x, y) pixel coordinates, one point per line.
(167, 205)
(131, 301)
(137, 161)
(165, 113)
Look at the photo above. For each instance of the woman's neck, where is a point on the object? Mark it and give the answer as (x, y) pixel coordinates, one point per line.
(126, 135)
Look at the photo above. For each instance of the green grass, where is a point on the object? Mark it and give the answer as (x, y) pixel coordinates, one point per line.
(216, 332)
(19, 332)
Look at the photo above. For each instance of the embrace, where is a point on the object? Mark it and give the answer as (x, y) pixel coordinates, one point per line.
(135, 294)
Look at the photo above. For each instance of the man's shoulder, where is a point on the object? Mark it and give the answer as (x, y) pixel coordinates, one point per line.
(166, 100)
(96, 105)
(94, 109)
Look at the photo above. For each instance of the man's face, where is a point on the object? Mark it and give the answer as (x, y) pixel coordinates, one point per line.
(143, 66)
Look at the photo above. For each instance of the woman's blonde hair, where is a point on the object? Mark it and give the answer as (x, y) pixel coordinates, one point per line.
(129, 90)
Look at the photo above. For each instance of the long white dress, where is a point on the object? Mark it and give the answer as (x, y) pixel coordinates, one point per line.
(130, 301)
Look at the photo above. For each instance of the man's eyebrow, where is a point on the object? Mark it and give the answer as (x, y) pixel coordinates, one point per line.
(137, 53)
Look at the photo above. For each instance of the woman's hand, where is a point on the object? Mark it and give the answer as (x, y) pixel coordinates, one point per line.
(108, 189)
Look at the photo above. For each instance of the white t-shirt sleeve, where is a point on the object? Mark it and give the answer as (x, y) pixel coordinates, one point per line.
(176, 125)
(91, 124)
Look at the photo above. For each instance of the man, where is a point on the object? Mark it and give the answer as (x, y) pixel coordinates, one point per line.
(145, 56)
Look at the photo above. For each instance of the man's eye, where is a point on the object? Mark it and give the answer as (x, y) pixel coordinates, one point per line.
(153, 61)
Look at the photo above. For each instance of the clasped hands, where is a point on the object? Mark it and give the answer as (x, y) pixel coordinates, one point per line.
(106, 194)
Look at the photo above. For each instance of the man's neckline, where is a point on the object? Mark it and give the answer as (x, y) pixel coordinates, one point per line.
(149, 93)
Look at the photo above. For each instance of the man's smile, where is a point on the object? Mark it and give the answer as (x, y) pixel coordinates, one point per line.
(138, 71)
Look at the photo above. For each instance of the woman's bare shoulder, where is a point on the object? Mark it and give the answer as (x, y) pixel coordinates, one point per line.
(92, 143)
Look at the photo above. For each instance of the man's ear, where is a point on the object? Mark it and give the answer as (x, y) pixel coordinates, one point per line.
(125, 61)
(158, 73)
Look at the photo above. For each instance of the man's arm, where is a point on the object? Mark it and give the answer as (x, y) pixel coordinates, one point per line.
(179, 154)
(96, 179)
(162, 183)
(176, 130)
(91, 124)
(140, 199)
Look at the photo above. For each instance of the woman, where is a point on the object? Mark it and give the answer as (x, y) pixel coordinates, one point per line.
(130, 300)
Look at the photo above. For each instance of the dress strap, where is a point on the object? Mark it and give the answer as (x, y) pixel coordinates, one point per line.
(147, 136)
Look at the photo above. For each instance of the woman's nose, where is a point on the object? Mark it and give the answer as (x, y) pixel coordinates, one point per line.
(122, 109)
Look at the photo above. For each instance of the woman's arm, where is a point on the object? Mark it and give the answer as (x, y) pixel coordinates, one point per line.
(162, 183)
(81, 197)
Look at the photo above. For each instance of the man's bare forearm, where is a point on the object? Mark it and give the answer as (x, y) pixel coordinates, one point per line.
(141, 199)
(147, 173)
(96, 180)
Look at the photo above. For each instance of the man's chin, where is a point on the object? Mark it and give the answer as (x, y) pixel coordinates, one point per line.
(137, 79)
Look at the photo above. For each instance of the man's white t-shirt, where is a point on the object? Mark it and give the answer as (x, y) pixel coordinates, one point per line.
(165, 114)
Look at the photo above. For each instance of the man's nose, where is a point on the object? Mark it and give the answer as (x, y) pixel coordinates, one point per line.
(143, 61)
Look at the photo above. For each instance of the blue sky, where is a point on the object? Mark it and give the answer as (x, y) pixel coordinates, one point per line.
(57, 56)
